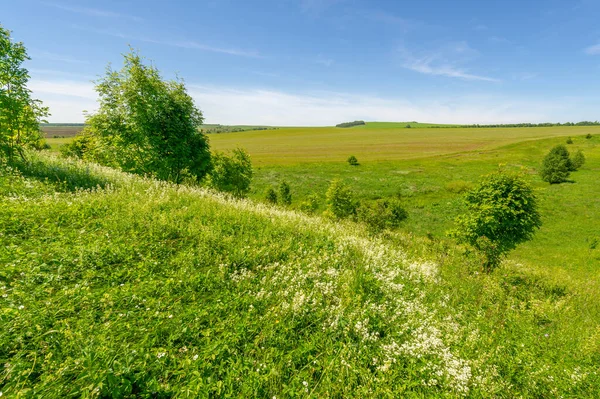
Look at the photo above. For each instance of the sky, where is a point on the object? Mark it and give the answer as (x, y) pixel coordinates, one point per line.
(323, 62)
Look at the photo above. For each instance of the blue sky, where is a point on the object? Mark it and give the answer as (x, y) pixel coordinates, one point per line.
(321, 62)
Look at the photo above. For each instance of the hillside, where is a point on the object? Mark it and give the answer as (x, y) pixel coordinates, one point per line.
(118, 286)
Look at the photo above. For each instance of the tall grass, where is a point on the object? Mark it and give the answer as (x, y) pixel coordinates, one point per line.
(139, 288)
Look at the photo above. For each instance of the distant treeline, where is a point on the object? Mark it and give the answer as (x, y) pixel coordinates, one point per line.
(61, 124)
(547, 124)
(350, 124)
(232, 129)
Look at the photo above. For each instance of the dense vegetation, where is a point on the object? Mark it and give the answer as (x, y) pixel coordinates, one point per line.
(351, 124)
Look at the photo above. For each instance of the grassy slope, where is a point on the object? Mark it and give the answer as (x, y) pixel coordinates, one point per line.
(160, 291)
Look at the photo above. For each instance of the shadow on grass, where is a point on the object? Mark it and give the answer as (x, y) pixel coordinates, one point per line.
(65, 177)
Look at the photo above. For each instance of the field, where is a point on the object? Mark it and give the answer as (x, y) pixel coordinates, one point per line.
(377, 142)
(119, 286)
(61, 131)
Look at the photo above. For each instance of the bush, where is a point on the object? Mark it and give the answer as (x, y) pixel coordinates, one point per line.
(459, 186)
(285, 194)
(588, 136)
(556, 166)
(578, 160)
(408, 126)
(502, 213)
(81, 145)
(310, 204)
(340, 200)
(569, 141)
(271, 196)
(381, 214)
(231, 174)
(352, 160)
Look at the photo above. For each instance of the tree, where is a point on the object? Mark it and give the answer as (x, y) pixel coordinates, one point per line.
(231, 174)
(556, 166)
(578, 160)
(501, 213)
(147, 125)
(340, 200)
(352, 160)
(20, 115)
(285, 194)
(271, 196)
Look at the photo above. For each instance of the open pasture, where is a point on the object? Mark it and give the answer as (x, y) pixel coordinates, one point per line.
(377, 142)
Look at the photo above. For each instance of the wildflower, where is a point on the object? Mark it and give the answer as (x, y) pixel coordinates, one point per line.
(305, 383)
(195, 357)
(170, 316)
(161, 354)
(21, 307)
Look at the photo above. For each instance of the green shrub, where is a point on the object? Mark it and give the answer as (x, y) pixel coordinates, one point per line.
(310, 204)
(353, 161)
(569, 141)
(459, 186)
(231, 174)
(556, 166)
(588, 136)
(285, 194)
(81, 145)
(340, 200)
(502, 213)
(578, 160)
(382, 213)
(271, 196)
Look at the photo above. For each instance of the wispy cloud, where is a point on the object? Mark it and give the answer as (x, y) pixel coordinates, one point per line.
(445, 61)
(92, 12)
(189, 44)
(480, 27)
(325, 61)
(57, 57)
(499, 39)
(316, 7)
(593, 50)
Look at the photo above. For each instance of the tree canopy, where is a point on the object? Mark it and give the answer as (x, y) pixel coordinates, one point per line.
(20, 115)
(147, 125)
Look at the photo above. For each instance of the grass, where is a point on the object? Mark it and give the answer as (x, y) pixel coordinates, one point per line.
(118, 286)
(377, 141)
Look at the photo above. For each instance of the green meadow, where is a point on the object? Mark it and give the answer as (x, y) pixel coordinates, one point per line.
(115, 285)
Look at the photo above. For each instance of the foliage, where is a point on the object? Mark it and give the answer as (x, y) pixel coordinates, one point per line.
(503, 209)
(578, 160)
(353, 161)
(231, 174)
(147, 125)
(556, 166)
(382, 213)
(153, 290)
(408, 126)
(82, 146)
(588, 136)
(271, 196)
(569, 140)
(351, 124)
(285, 194)
(20, 115)
(310, 204)
(340, 200)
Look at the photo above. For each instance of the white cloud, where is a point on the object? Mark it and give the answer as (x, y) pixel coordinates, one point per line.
(68, 99)
(56, 57)
(272, 107)
(92, 12)
(445, 61)
(593, 50)
(189, 44)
